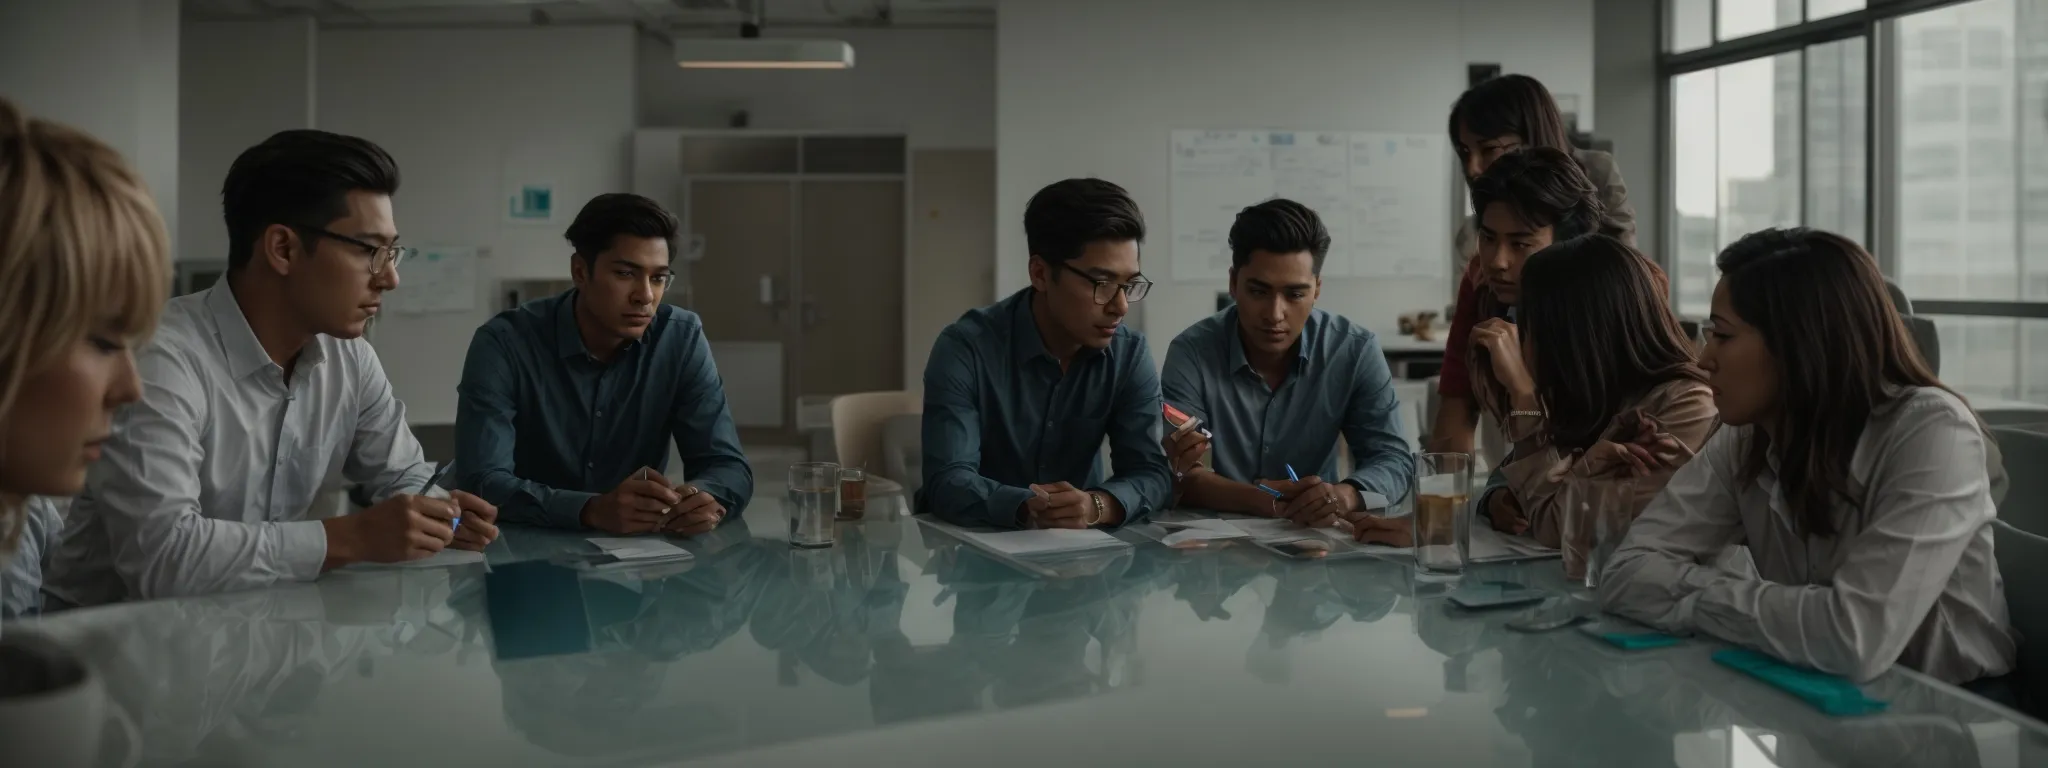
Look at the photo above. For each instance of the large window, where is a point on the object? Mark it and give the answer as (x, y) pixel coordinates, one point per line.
(1776, 129)
(1776, 141)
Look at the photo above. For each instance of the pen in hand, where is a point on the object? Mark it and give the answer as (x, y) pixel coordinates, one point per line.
(434, 482)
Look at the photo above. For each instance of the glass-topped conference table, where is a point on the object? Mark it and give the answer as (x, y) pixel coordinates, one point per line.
(900, 647)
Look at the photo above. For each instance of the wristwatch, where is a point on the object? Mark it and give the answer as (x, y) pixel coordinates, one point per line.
(1100, 512)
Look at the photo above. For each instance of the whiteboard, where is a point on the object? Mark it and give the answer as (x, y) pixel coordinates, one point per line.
(437, 279)
(1385, 197)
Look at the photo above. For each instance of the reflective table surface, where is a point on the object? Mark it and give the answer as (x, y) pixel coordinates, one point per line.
(899, 647)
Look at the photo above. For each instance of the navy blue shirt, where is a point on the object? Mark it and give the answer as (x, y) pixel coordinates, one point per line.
(543, 426)
(999, 416)
(1339, 383)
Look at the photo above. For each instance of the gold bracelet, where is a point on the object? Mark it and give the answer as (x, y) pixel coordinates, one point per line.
(1100, 512)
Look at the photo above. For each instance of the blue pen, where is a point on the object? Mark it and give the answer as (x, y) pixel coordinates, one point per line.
(439, 473)
(1276, 494)
(1291, 475)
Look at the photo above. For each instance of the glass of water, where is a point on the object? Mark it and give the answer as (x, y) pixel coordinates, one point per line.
(1596, 515)
(814, 501)
(1442, 524)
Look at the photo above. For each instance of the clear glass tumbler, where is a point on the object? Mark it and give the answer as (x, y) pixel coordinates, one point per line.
(814, 502)
(1442, 520)
(1595, 515)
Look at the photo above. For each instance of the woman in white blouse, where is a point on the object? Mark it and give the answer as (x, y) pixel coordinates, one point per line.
(84, 270)
(1862, 486)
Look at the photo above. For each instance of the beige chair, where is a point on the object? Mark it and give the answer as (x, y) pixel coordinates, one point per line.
(857, 423)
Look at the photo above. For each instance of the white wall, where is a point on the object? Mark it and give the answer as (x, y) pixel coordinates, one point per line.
(457, 108)
(241, 82)
(937, 85)
(1094, 87)
(107, 67)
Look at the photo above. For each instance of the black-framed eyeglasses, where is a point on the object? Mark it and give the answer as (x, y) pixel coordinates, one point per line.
(1105, 290)
(381, 256)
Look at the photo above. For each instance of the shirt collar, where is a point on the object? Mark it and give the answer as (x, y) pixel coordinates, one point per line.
(238, 338)
(568, 336)
(1235, 345)
(1025, 343)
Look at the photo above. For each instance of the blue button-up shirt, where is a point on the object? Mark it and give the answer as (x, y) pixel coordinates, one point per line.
(1339, 384)
(543, 426)
(1000, 416)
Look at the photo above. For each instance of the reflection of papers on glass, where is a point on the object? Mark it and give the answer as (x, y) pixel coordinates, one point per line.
(1036, 551)
(640, 549)
(1209, 529)
(1489, 545)
(443, 559)
(1046, 542)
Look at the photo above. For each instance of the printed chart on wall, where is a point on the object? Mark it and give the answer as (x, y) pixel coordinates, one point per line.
(1385, 197)
(438, 279)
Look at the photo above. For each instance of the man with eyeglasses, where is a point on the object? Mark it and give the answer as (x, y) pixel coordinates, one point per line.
(569, 402)
(1277, 381)
(259, 389)
(1018, 396)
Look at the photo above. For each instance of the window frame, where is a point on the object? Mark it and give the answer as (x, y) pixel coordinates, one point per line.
(1882, 52)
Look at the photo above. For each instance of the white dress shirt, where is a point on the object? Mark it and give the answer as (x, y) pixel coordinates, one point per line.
(1909, 579)
(21, 571)
(210, 481)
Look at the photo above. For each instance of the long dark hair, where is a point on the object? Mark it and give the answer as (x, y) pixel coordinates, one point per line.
(1511, 104)
(1839, 345)
(1603, 334)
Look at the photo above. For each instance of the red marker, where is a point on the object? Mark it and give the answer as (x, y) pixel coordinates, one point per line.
(1182, 422)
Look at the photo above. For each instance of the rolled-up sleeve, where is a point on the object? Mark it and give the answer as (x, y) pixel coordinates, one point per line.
(1139, 476)
(146, 491)
(954, 488)
(486, 430)
(705, 436)
(1372, 427)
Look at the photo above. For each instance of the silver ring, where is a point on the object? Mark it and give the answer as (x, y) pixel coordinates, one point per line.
(1329, 499)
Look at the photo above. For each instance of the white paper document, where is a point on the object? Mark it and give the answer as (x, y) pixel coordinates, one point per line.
(1047, 542)
(639, 549)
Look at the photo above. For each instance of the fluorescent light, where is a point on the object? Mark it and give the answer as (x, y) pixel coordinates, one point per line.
(762, 53)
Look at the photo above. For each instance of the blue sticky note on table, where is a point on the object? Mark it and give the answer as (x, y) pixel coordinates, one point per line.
(1628, 635)
(1832, 694)
(1638, 641)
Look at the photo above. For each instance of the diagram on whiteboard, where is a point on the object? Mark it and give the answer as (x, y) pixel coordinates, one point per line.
(1385, 197)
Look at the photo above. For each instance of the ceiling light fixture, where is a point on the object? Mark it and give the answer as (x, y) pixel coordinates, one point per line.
(752, 51)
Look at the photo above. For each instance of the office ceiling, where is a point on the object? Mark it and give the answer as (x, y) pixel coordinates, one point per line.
(659, 14)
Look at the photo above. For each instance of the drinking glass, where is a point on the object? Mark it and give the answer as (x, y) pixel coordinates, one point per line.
(814, 501)
(1441, 522)
(853, 493)
(1595, 515)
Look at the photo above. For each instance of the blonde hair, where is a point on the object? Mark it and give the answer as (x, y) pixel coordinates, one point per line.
(81, 246)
